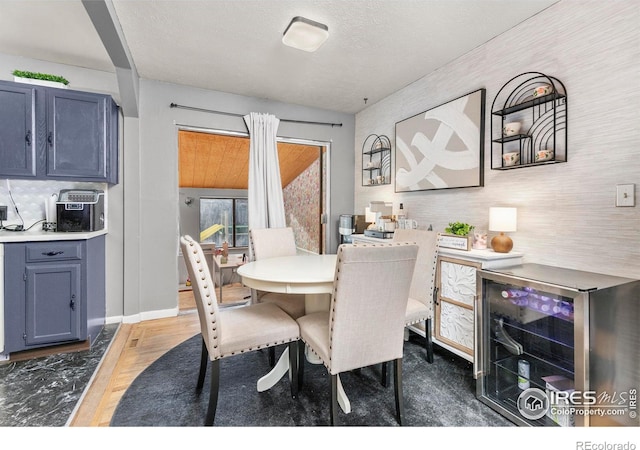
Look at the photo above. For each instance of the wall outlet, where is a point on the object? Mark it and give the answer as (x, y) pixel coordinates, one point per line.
(3, 213)
(625, 195)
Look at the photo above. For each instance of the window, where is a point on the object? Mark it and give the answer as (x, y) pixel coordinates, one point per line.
(224, 219)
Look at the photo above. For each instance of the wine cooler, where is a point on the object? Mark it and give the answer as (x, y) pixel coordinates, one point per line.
(559, 347)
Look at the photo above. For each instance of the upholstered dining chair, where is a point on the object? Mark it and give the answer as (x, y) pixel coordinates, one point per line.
(272, 243)
(365, 324)
(230, 332)
(420, 303)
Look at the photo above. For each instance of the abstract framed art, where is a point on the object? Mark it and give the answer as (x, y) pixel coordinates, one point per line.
(442, 148)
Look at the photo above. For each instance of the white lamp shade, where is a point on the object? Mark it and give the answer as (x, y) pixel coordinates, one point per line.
(502, 219)
(305, 34)
(384, 208)
(369, 216)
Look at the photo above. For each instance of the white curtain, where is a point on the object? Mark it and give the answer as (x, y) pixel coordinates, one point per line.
(266, 205)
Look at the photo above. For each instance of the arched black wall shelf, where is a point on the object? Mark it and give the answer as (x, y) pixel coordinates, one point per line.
(376, 160)
(537, 102)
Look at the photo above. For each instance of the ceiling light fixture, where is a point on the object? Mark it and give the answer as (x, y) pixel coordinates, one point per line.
(305, 34)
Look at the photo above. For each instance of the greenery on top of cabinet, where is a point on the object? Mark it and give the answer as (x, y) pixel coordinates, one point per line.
(40, 76)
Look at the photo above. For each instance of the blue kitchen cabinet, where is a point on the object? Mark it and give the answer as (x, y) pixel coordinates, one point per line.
(52, 306)
(17, 128)
(78, 136)
(54, 292)
(68, 135)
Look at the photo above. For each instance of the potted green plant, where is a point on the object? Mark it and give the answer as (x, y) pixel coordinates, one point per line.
(458, 236)
(43, 79)
(459, 228)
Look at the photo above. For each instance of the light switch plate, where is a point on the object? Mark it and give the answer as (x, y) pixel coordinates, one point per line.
(625, 195)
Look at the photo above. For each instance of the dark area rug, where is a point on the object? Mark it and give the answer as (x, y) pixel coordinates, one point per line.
(441, 394)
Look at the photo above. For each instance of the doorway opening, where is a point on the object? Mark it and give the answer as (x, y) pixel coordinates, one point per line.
(213, 173)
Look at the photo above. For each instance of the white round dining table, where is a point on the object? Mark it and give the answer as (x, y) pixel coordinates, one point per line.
(300, 274)
(311, 275)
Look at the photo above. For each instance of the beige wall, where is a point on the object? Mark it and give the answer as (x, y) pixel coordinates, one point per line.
(566, 212)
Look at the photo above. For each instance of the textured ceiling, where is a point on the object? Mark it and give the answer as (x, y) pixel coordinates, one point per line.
(375, 47)
(57, 31)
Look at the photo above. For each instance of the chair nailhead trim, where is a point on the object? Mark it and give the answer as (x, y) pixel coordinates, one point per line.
(202, 271)
(267, 345)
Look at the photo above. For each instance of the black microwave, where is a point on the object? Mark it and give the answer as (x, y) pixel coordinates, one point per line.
(80, 210)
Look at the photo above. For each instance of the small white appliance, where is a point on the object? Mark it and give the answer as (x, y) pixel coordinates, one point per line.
(347, 225)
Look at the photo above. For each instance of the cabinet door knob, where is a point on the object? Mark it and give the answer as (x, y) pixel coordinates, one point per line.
(50, 138)
(52, 253)
(28, 138)
(72, 304)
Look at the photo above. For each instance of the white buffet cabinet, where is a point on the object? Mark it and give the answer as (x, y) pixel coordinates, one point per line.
(456, 310)
(456, 316)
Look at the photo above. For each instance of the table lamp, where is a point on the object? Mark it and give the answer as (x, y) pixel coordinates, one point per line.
(370, 217)
(380, 209)
(502, 220)
(384, 208)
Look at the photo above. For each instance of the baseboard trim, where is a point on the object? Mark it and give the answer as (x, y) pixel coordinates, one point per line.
(149, 315)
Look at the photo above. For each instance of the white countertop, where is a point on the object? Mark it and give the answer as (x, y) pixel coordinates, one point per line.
(487, 258)
(37, 235)
(484, 255)
(371, 239)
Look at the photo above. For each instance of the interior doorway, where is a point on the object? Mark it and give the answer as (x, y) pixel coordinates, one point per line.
(213, 167)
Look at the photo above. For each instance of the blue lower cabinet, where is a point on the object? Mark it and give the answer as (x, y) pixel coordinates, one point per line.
(53, 308)
(53, 290)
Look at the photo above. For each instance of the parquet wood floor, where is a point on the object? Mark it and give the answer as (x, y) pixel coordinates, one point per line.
(134, 348)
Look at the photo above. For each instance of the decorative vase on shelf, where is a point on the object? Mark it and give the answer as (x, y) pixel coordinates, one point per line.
(225, 253)
(479, 239)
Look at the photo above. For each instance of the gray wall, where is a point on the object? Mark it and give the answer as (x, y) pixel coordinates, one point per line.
(566, 212)
(157, 212)
(142, 244)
